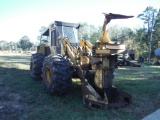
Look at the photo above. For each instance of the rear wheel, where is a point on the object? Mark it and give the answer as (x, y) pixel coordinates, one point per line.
(56, 74)
(36, 66)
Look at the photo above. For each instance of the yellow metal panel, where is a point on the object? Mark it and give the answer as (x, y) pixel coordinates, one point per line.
(88, 44)
(108, 52)
(98, 78)
(81, 42)
(105, 37)
(84, 43)
(41, 49)
(115, 46)
(99, 51)
(84, 61)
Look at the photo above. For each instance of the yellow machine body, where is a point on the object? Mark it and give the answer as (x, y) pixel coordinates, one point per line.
(93, 64)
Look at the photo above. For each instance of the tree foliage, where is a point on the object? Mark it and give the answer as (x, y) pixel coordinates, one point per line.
(89, 32)
(4, 45)
(150, 17)
(42, 39)
(147, 17)
(120, 34)
(42, 29)
(156, 32)
(25, 43)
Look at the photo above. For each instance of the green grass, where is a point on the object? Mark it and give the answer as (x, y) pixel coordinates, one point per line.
(142, 83)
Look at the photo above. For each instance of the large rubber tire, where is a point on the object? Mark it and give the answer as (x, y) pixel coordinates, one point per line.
(36, 65)
(57, 74)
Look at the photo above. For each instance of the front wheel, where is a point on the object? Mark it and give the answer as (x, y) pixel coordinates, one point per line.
(36, 66)
(56, 74)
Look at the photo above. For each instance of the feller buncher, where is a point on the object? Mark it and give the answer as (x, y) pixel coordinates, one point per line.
(65, 57)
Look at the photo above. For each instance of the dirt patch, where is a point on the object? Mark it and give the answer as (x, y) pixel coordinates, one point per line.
(10, 102)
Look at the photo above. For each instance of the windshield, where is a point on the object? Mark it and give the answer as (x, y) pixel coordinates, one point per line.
(70, 33)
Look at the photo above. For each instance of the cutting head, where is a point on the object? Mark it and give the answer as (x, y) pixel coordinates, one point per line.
(110, 16)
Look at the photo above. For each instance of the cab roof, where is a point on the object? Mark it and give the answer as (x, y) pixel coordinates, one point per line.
(60, 23)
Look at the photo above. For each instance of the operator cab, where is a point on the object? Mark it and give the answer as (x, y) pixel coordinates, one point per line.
(58, 30)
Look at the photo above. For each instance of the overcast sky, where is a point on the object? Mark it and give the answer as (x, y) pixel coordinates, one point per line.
(25, 17)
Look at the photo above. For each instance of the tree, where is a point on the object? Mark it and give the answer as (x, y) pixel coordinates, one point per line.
(42, 29)
(12, 45)
(4, 45)
(120, 34)
(25, 43)
(89, 32)
(83, 31)
(148, 16)
(156, 33)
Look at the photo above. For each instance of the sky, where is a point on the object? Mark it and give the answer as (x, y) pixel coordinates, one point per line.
(25, 17)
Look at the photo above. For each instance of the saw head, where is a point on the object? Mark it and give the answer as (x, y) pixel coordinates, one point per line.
(110, 16)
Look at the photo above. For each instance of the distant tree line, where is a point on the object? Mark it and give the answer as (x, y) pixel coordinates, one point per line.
(23, 44)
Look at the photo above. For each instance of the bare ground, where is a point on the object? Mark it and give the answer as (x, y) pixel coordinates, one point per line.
(10, 102)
